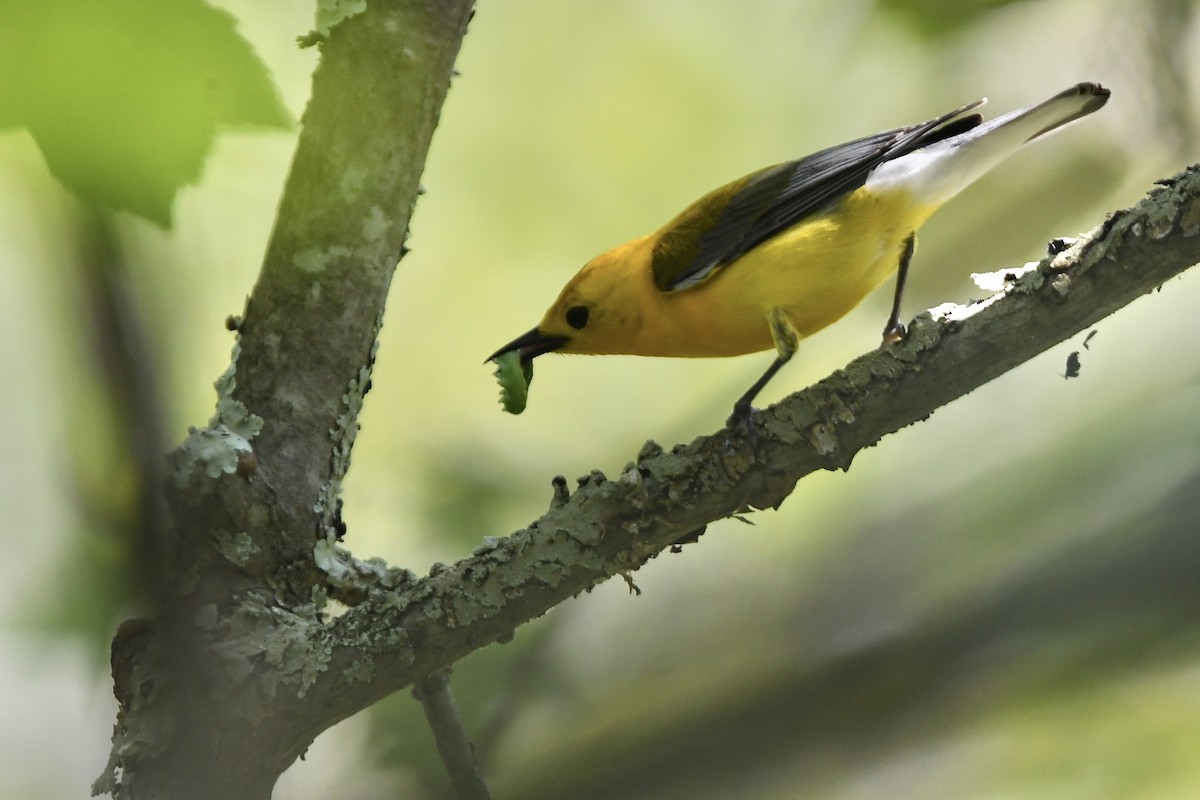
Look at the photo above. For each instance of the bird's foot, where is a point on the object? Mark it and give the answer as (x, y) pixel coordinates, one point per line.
(742, 419)
(741, 413)
(893, 333)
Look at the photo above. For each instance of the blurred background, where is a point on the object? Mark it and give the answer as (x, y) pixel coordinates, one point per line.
(999, 602)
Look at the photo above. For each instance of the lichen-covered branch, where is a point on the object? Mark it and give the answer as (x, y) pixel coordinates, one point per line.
(308, 336)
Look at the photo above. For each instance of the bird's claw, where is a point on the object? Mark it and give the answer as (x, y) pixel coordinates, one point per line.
(743, 418)
(893, 333)
(741, 413)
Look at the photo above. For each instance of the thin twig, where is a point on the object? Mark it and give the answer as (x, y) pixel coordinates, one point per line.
(453, 744)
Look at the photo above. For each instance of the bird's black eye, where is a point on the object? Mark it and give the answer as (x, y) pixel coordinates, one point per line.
(577, 317)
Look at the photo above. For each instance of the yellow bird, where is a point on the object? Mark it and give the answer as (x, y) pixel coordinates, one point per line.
(779, 254)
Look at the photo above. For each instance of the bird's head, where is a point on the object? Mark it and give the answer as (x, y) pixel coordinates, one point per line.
(599, 311)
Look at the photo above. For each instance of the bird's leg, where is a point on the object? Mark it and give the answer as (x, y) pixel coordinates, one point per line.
(786, 341)
(893, 331)
(742, 408)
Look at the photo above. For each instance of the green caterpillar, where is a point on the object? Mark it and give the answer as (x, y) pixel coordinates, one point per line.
(514, 378)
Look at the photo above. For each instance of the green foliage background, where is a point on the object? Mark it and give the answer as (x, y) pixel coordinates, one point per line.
(999, 602)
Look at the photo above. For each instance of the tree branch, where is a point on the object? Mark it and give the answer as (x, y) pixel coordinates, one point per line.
(307, 340)
(613, 526)
(450, 736)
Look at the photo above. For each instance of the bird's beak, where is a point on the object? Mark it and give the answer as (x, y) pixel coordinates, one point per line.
(530, 345)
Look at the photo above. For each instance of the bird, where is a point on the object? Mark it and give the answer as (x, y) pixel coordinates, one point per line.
(777, 255)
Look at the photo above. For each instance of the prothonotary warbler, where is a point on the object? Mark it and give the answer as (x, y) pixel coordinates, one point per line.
(779, 254)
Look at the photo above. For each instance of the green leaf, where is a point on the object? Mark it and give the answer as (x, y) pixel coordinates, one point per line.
(124, 96)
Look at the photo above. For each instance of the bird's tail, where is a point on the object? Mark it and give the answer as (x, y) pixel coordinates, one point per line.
(941, 170)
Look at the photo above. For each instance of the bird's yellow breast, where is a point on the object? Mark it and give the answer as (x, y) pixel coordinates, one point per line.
(812, 273)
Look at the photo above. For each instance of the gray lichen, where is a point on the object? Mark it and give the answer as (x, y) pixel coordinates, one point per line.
(236, 547)
(332, 12)
(218, 447)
